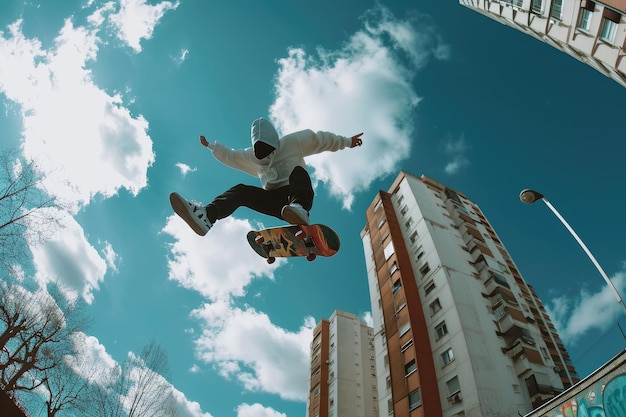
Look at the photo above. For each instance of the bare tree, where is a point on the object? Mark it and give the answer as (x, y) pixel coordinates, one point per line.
(32, 325)
(139, 389)
(22, 203)
(70, 381)
(149, 393)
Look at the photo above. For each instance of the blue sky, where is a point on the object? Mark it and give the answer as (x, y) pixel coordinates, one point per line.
(110, 98)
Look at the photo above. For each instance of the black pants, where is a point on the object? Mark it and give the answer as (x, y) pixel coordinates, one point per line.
(268, 202)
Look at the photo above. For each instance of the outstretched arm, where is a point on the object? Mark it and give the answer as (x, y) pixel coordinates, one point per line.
(241, 159)
(356, 140)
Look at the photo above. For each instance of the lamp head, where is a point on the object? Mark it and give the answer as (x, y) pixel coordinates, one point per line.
(529, 196)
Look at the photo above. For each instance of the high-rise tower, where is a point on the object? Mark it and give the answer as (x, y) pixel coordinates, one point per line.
(590, 31)
(343, 370)
(457, 330)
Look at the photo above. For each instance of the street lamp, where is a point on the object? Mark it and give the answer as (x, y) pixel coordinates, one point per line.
(530, 196)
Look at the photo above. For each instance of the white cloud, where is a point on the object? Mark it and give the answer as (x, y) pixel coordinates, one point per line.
(278, 360)
(84, 140)
(185, 169)
(97, 18)
(574, 317)
(416, 36)
(219, 264)
(456, 150)
(91, 360)
(455, 165)
(137, 19)
(182, 56)
(112, 258)
(367, 86)
(367, 318)
(186, 407)
(69, 260)
(257, 410)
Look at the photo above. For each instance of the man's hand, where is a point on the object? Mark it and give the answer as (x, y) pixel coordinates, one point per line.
(205, 142)
(356, 140)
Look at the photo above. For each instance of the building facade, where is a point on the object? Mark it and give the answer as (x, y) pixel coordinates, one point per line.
(593, 32)
(457, 330)
(343, 380)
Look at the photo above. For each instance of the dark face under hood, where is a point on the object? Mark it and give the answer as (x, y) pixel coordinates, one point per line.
(264, 138)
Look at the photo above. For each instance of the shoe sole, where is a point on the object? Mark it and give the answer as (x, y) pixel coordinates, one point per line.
(292, 217)
(180, 206)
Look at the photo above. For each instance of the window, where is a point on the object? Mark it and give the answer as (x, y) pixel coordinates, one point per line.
(404, 210)
(393, 268)
(413, 237)
(441, 330)
(557, 8)
(407, 345)
(409, 222)
(404, 328)
(447, 356)
(382, 223)
(453, 386)
(388, 383)
(609, 29)
(430, 287)
(390, 406)
(435, 307)
(527, 337)
(396, 286)
(425, 269)
(584, 21)
(415, 399)
(400, 306)
(410, 367)
(536, 6)
(389, 250)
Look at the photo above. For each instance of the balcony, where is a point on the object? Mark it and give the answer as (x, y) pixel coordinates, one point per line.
(494, 281)
(505, 322)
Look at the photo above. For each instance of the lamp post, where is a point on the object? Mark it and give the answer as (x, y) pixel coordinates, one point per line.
(530, 196)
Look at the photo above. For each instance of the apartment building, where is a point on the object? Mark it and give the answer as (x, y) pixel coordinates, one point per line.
(457, 330)
(593, 32)
(343, 380)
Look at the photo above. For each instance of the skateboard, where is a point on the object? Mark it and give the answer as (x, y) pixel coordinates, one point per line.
(309, 241)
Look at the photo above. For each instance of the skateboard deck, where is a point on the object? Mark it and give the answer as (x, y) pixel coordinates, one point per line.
(289, 241)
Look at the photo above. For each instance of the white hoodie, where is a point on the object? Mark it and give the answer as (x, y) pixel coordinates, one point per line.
(274, 170)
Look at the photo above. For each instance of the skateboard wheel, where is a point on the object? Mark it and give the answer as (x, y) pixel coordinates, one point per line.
(300, 234)
(311, 257)
(259, 239)
(271, 260)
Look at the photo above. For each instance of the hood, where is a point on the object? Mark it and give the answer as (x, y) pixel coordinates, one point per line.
(263, 131)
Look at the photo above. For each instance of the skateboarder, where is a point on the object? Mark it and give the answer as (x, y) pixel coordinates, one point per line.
(286, 191)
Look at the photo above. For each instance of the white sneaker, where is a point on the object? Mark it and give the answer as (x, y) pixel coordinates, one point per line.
(294, 213)
(192, 212)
